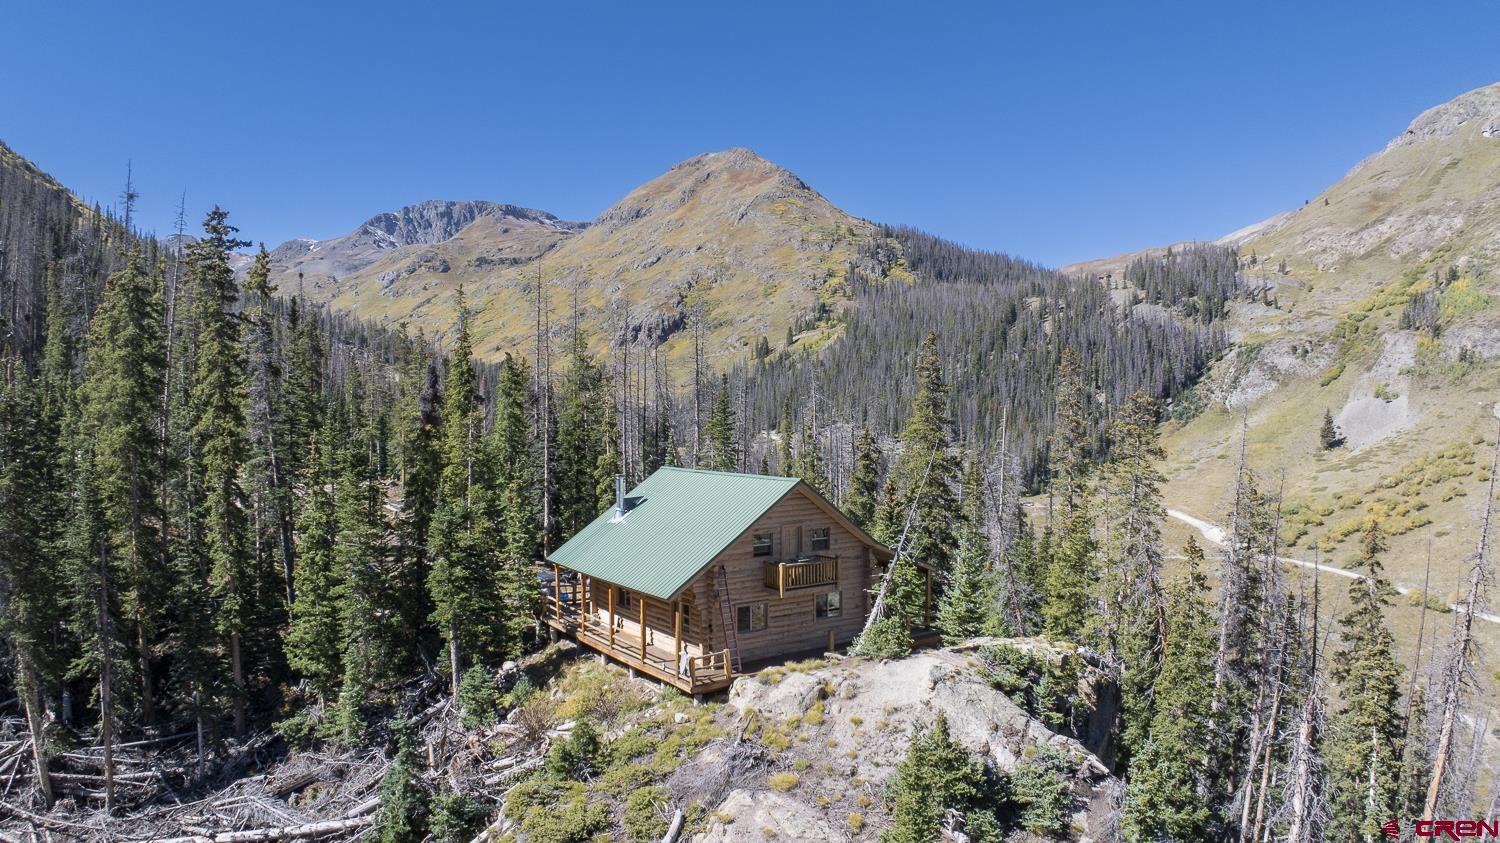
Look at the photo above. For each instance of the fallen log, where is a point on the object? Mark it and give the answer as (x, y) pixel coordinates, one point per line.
(290, 832)
(674, 829)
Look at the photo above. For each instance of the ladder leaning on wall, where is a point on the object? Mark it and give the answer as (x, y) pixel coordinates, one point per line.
(726, 617)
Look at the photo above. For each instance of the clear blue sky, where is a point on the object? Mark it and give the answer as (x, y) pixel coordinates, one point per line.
(1058, 131)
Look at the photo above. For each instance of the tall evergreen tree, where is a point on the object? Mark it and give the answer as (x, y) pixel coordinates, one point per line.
(586, 440)
(1365, 740)
(1133, 621)
(315, 636)
(361, 555)
(810, 465)
(465, 546)
(864, 481)
(122, 377)
(968, 605)
(33, 508)
(1168, 794)
(922, 474)
(270, 486)
(723, 451)
(219, 434)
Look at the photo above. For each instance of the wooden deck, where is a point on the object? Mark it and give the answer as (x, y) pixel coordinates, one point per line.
(692, 674)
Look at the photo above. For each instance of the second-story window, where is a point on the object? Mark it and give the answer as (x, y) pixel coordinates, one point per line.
(760, 544)
(819, 539)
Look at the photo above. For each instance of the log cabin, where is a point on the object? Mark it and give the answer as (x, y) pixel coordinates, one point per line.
(693, 574)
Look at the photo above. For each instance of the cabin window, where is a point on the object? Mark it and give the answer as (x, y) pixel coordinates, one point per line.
(624, 599)
(752, 617)
(830, 604)
(687, 618)
(760, 544)
(818, 538)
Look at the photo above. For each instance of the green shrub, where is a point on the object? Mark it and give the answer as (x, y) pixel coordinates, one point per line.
(783, 781)
(939, 774)
(456, 817)
(478, 698)
(1039, 791)
(645, 810)
(887, 638)
(576, 756)
(403, 802)
(299, 730)
(521, 692)
(554, 811)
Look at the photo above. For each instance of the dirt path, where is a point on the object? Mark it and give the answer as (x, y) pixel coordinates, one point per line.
(1214, 533)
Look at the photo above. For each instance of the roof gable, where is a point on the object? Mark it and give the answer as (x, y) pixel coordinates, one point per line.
(677, 521)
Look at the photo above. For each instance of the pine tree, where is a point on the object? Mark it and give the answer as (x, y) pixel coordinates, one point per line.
(938, 775)
(1070, 435)
(810, 464)
(303, 392)
(723, 453)
(33, 508)
(403, 802)
(785, 460)
(94, 610)
(968, 605)
(465, 546)
(1071, 567)
(1364, 744)
(586, 441)
(519, 482)
(1132, 623)
(921, 476)
(1069, 586)
(119, 394)
(270, 487)
(1167, 796)
(1328, 434)
(864, 481)
(219, 434)
(360, 557)
(315, 637)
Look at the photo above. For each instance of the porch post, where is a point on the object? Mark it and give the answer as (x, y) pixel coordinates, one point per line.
(556, 592)
(611, 616)
(676, 634)
(643, 600)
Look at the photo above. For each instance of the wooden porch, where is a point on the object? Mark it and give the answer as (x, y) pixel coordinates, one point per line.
(571, 610)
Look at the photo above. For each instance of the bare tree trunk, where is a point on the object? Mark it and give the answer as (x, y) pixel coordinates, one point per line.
(32, 701)
(237, 669)
(1298, 829)
(106, 684)
(453, 654)
(1460, 650)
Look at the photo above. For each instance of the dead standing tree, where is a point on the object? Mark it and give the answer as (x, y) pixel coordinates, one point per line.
(1458, 667)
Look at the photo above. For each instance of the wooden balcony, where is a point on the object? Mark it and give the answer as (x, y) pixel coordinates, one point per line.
(695, 674)
(805, 572)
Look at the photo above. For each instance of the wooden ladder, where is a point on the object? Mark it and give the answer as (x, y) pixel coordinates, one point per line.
(726, 617)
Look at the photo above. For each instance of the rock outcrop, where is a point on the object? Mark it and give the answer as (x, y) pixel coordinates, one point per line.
(853, 721)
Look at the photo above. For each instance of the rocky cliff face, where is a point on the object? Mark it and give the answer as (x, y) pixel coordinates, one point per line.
(854, 720)
(743, 241)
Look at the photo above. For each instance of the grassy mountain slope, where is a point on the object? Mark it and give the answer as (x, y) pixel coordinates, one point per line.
(747, 241)
(1416, 402)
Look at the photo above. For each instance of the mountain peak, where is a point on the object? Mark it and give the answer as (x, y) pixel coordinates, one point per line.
(1480, 106)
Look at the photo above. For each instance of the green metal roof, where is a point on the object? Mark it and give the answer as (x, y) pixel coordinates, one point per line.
(676, 521)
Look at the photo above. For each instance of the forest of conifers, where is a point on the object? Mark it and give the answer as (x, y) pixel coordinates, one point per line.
(227, 510)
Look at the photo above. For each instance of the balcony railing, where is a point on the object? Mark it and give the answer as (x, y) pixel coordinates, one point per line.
(805, 572)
